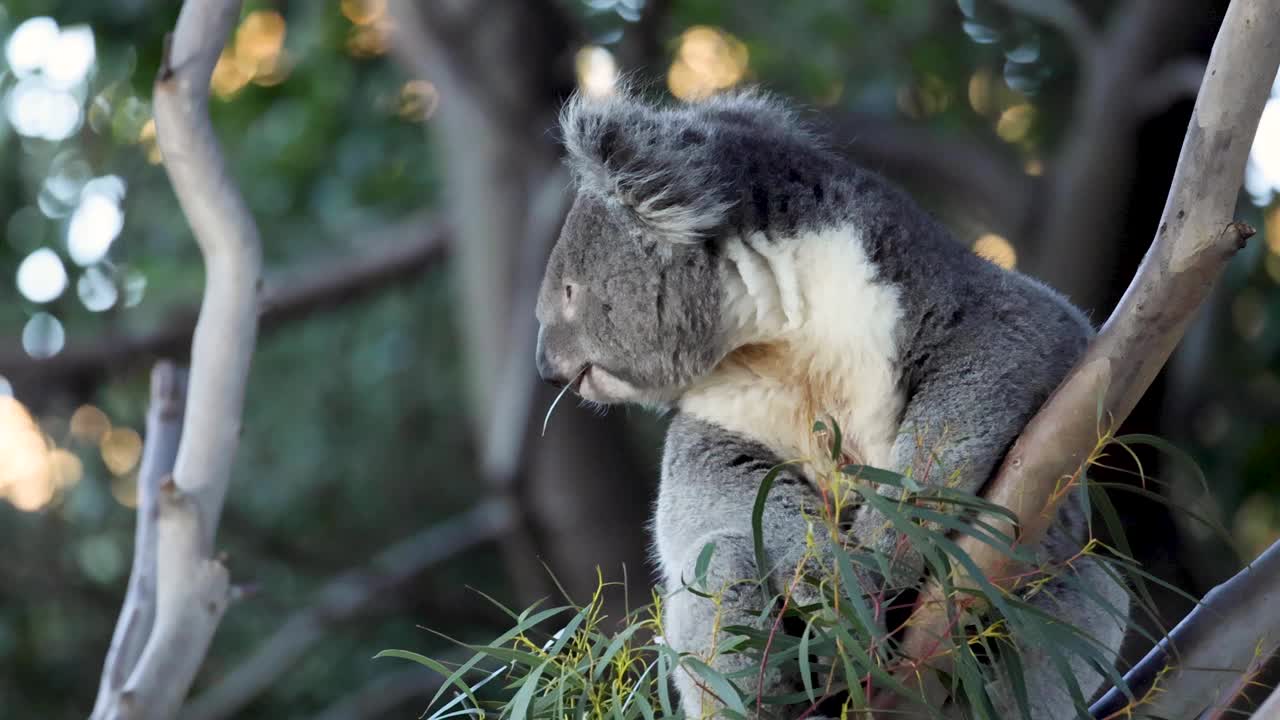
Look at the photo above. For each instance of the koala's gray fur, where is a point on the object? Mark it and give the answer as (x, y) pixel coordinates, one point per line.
(719, 261)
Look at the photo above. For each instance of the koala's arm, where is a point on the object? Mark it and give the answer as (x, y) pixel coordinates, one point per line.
(710, 480)
(972, 388)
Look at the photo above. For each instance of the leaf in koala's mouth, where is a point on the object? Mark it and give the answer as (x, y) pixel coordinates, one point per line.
(571, 385)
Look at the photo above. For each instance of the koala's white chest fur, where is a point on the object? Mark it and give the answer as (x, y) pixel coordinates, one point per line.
(815, 333)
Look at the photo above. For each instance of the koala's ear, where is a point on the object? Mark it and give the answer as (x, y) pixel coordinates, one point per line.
(656, 163)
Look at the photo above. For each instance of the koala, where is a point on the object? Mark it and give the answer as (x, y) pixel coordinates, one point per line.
(721, 263)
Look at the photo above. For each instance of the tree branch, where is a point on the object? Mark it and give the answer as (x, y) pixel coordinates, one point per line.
(1195, 240)
(193, 587)
(399, 254)
(1233, 625)
(164, 428)
(342, 598)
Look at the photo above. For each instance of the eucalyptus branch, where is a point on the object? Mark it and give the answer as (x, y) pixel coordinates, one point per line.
(192, 587)
(1196, 239)
(1234, 625)
(137, 616)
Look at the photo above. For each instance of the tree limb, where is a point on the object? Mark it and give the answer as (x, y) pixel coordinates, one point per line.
(342, 598)
(1233, 625)
(398, 254)
(192, 586)
(1195, 240)
(137, 616)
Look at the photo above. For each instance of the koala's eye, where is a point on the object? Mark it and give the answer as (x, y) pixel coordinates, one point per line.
(608, 308)
(568, 292)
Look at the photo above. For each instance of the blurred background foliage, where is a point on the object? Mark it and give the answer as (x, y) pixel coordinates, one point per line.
(355, 434)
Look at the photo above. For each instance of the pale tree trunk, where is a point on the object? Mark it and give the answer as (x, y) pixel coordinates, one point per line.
(179, 588)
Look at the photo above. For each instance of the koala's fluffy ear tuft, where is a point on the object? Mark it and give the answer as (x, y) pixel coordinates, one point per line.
(655, 162)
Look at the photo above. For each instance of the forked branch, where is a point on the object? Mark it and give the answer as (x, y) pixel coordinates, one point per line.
(191, 586)
(1196, 238)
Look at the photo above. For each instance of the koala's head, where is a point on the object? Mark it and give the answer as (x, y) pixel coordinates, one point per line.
(631, 306)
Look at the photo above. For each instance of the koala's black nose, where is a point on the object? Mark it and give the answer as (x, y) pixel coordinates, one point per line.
(545, 369)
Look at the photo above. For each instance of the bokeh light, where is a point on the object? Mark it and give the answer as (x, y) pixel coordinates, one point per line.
(708, 61)
(88, 424)
(70, 58)
(597, 71)
(43, 336)
(33, 470)
(1015, 123)
(51, 64)
(96, 290)
(121, 448)
(41, 276)
(29, 44)
(418, 100)
(996, 249)
(256, 54)
(96, 222)
(371, 28)
(1262, 176)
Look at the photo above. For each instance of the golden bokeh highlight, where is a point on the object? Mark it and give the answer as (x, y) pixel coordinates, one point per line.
(418, 100)
(260, 37)
(981, 92)
(65, 468)
(33, 471)
(121, 449)
(1034, 167)
(255, 54)
(89, 424)
(370, 33)
(364, 12)
(996, 249)
(708, 61)
(596, 70)
(147, 138)
(1015, 122)
(125, 490)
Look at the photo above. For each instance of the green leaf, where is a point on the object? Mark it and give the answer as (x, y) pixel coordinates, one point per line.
(703, 562)
(806, 672)
(520, 703)
(614, 646)
(757, 521)
(718, 684)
